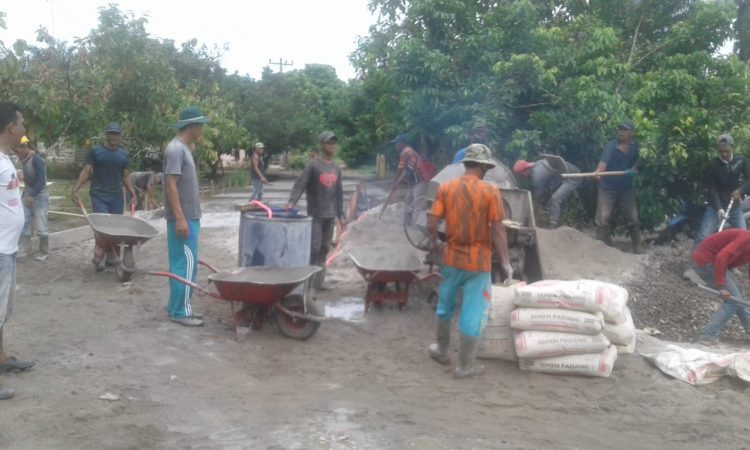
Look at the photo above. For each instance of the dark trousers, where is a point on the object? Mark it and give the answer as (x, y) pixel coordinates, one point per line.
(320, 243)
(609, 201)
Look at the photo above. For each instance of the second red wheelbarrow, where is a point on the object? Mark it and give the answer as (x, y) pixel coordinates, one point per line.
(265, 293)
(381, 267)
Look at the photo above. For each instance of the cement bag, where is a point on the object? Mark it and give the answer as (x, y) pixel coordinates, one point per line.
(497, 337)
(628, 349)
(591, 365)
(545, 344)
(621, 334)
(497, 343)
(563, 320)
(581, 295)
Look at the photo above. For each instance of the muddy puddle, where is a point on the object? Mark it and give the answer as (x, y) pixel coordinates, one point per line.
(350, 309)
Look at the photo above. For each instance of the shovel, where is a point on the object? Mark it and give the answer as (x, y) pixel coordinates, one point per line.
(714, 291)
(729, 208)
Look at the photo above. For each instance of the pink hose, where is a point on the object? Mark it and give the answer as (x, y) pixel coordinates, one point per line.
(263, 207)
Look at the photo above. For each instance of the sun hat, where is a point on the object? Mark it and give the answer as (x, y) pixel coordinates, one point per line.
(479, 153)
(191, 115)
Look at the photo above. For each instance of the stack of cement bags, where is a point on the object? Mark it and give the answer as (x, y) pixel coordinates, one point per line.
(559, 326)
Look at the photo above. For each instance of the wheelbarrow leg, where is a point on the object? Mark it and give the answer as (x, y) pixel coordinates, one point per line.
(238, 320)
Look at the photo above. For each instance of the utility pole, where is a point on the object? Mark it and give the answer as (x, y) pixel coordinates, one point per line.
(281, 64)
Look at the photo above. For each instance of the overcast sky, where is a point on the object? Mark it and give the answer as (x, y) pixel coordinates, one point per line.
(302, 31)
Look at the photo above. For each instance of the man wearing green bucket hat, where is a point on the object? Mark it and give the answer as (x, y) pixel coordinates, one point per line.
(183, 212)
(473, 214)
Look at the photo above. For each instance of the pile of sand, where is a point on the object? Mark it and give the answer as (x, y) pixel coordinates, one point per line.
(568, 254)
(379, 240)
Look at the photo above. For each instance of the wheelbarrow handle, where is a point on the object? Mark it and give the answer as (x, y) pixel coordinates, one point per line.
(208, 266)
(430, 276)
(187, 282)
(297, 315)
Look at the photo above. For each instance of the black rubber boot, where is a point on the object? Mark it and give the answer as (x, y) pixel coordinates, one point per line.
(635, 237)
(467, 351)
(604, 234)
(43, 248)
(439, 351)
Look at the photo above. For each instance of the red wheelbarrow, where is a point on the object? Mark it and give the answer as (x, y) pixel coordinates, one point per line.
(379, 267)
(264, 293)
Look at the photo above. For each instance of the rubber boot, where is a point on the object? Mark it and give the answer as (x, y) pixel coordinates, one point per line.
(635, 237)
(24, 247)
(467, 351)
(43, 248)
(439, 351)
(603, 233)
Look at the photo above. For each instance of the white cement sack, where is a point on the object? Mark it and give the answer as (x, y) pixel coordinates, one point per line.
(497, 343)
(497, 337)
(552, 319)
(591, 365)
(581, 295)
(621, 334)
(545, 344)
(628, 349)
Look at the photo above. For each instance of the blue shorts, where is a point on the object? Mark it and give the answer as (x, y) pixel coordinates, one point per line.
(476, 300)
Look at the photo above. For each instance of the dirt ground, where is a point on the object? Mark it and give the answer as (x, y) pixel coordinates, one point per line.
(363, 381)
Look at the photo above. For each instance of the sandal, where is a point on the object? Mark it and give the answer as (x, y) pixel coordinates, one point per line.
(13, 364)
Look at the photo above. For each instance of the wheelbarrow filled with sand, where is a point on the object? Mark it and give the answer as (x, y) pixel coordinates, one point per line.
(121, 237)
(381, 267)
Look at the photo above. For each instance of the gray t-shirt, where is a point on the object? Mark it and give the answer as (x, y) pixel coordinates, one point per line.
(178, 160)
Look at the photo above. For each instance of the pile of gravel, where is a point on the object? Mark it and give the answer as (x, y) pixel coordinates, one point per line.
(662, 299)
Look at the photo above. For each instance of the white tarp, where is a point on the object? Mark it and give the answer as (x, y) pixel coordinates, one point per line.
(694, 366)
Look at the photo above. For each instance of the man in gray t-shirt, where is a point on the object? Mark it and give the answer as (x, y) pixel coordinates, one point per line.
(183, 212)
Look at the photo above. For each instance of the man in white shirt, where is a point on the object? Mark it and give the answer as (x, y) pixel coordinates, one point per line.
(11, 222)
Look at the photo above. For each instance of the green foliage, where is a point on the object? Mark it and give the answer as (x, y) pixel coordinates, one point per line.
(556, 77)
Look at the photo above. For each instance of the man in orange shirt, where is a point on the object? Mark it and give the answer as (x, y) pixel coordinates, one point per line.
(473, 214)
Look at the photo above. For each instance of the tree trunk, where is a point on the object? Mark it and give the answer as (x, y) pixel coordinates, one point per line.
(742, 28)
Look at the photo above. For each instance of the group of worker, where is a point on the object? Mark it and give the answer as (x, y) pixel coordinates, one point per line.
(473, 212)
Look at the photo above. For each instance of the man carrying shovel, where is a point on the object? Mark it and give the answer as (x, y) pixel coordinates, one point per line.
(727, 180)
(619, 155)
(712, 261)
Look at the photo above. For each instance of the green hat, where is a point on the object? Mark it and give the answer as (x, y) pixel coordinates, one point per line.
(189, 115)
(479, 153)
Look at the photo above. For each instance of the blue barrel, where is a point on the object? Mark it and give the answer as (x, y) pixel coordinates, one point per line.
(282, 241)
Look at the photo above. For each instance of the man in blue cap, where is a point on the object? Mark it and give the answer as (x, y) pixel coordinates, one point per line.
(107, 167)
(617, 192)
(183, 213)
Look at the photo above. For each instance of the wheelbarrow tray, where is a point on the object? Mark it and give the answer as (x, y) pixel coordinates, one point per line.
(260, 285)
(120, 229)
(389, 264)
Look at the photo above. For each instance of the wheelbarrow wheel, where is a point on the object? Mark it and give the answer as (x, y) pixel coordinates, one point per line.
(126, 268)
(293, 327)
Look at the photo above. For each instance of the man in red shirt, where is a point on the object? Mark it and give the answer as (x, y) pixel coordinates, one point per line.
(712, 260)
(408, 170)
